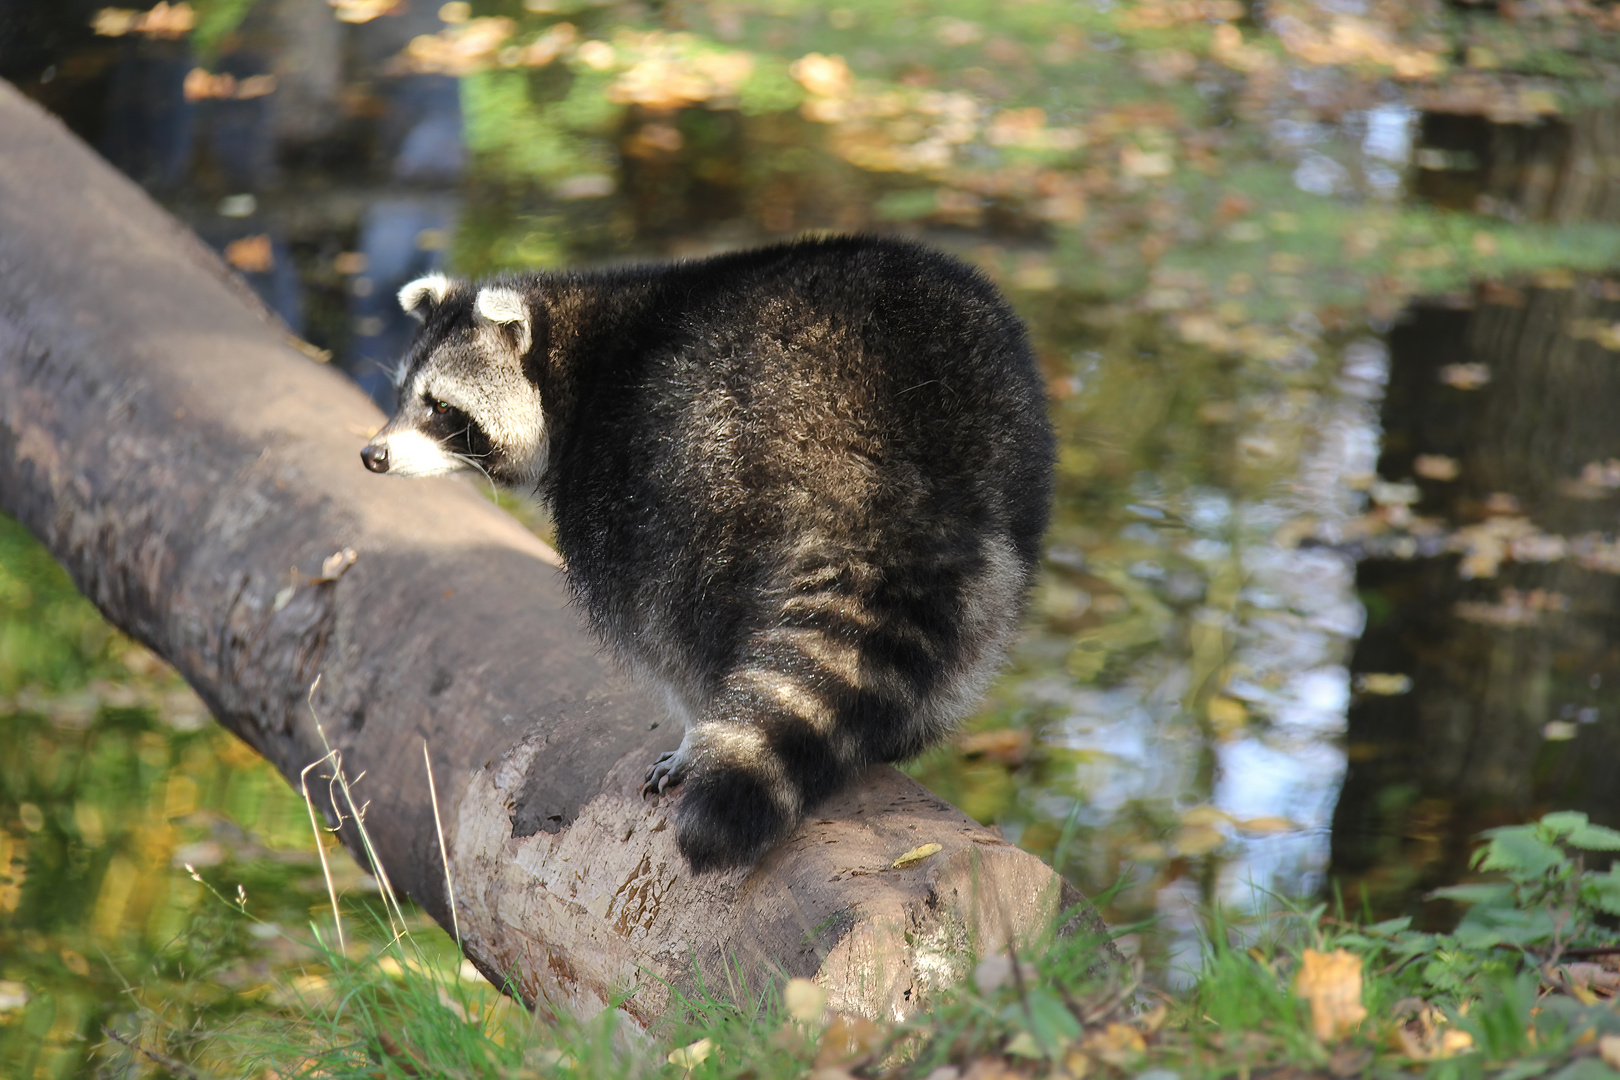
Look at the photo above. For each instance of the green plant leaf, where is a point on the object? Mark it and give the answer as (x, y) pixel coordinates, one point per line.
(1523, 1070)
(1051, 1020)
(1491, 894)
(1585, 1069)
(1594, 838)
(1359, 941)
(1450, 971)
(1500, 1021)
(1486, 927)
(1416, 944)
(1518, 852)
(1563, 822)
(1602, 891)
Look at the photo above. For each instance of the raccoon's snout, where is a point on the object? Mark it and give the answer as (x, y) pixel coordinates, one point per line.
(376, 457)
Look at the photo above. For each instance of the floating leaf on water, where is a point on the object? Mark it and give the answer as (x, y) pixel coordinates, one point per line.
(1146, 852)
(1227, 715)
(1195, 840)
(1268, 825)
(164, 20)
(251, 254)
(1204, 815)
(916, 855)
(1559, 731)
(1382, 684)
(1385, 493)
(1465, 376)
(1436, 467)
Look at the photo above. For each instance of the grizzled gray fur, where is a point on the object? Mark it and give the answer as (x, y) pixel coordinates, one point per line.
(800, 492)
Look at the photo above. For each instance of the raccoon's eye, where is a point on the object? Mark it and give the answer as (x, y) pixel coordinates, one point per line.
(441, 407)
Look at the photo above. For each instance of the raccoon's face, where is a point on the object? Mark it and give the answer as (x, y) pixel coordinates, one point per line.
(467, 400)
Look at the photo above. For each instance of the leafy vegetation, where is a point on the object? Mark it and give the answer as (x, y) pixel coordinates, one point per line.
(1297, 990)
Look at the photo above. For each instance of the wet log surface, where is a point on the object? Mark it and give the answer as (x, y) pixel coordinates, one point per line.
(199, 478)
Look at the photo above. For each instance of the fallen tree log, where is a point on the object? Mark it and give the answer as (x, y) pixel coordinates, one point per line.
(199, 478)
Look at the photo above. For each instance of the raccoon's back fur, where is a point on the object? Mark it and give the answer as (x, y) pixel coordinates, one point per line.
(800, 491)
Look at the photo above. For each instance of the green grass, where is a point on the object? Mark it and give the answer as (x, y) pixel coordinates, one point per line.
(1440, 1006)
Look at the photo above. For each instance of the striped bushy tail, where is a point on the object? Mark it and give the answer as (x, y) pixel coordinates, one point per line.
(784, 733)
(864, 664)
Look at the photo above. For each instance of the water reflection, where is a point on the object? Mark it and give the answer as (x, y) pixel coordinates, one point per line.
(402, 237)
(1200, 678)
(1490, 661)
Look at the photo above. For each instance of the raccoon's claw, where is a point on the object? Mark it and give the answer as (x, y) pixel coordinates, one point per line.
(665, 772)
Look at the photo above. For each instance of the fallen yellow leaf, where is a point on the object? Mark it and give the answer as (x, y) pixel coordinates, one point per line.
(1331, 982)
(846, 1040)
(251, 254)
(1427, 1037)
(1116, 1044)
(1267, 825)
(916, 855)
(1454, 1041)
(1007, 745)
(1227, 715)
(804, 1000)
(693, 1055)
(1609, 1047)
(1204, 815)
(1024, 1045)
(1198, 839)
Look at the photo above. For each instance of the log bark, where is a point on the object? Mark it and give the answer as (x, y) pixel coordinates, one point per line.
(195, 473)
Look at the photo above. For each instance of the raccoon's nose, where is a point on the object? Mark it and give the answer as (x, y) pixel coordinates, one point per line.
(375, 457)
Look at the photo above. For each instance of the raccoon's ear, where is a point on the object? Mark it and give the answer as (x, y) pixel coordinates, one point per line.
(507, 309)
(421, 296)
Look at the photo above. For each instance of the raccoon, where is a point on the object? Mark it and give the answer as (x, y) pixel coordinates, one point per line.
(800, 492)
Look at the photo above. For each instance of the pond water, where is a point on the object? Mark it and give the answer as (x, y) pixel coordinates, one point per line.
(1323, 293)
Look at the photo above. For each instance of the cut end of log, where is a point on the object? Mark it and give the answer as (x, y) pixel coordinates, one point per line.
(828, 904)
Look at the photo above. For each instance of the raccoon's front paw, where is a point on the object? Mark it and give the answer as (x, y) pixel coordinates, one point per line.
(669, 769)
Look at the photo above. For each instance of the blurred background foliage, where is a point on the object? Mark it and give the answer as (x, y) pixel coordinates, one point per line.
(1325, 295)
